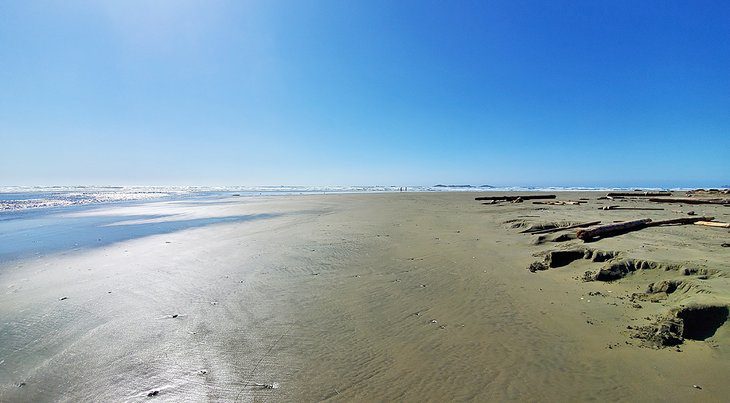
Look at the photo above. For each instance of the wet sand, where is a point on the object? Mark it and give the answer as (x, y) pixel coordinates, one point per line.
(405, 296)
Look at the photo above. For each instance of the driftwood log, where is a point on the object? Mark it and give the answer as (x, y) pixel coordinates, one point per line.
(629, 208)
(556, 229)
(639, 194)
(511, 198)
(612, 229)
(628, 226)
(713, 224)
(679, 221)
(689, 200)
(561, 202)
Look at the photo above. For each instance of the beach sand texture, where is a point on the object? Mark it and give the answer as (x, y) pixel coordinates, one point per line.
(352, 297)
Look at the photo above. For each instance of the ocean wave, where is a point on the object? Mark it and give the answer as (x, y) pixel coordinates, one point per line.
(13, 198)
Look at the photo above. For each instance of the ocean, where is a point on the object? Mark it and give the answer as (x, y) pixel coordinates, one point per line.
(18, 198)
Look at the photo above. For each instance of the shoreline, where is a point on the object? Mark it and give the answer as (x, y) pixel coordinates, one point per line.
(14, 199)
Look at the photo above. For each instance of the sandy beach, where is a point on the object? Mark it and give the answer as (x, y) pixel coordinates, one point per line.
(358, 297)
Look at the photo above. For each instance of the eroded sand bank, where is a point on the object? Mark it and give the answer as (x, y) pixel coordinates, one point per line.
(406, 296)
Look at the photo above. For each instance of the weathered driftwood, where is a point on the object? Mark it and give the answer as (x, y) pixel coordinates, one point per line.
(639, 194)
(679, 221)
(627, 226)
(689, 200)
(629, 208)
(556, 229)
(561, 202)
(713, 224)
(495, 202)
(511, 198)
(611, 229)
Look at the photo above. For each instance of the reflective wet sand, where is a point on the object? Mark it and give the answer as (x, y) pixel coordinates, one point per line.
(408, 297)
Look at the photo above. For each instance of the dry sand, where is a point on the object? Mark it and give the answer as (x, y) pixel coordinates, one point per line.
(406, 297)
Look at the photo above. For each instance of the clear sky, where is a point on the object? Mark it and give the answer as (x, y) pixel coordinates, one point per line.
(626, 93)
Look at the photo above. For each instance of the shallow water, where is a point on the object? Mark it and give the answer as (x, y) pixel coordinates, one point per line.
(41, 232)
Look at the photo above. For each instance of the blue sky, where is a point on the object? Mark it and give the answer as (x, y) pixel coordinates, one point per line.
(375, 92)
